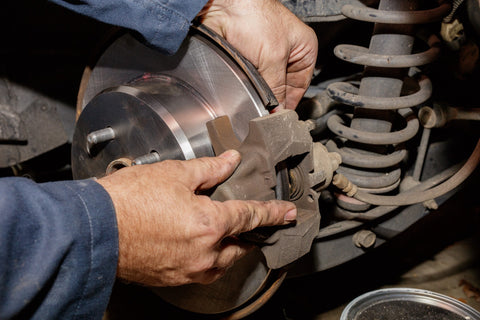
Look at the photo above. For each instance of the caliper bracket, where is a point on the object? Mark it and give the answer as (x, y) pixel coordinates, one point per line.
(273, 139)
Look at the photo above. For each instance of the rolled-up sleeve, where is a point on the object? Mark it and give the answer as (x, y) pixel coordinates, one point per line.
(58, 249)
(163, 23)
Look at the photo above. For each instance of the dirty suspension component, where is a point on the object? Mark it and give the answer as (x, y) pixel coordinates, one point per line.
(439, 115)
(371, 143)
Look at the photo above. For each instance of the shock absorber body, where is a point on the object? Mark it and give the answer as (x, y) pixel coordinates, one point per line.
(371, 145)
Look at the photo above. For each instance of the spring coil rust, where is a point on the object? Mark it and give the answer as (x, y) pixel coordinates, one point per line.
(371, 171)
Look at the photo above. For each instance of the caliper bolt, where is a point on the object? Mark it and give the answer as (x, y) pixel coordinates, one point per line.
(99, 136)
(364, 239)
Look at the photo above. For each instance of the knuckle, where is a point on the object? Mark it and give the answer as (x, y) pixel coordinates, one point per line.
(206, 264)
(223, 219)
(254, 218)
(207, 224)
(239, 253)
(278, 51)
(249, 215)
(311, 33)
(267, 213)
(275, 213)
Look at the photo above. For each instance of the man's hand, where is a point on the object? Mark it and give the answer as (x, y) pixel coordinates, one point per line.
(281, 47)
(169, 235)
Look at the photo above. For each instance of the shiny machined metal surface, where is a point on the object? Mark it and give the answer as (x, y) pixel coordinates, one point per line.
(181, 92)
(158, 106)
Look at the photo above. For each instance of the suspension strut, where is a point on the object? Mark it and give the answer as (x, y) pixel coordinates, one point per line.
(369, 142)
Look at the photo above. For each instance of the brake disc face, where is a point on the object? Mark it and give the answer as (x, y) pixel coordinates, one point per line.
(149, 103)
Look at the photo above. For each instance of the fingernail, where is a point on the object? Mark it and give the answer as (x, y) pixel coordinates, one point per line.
(290, 215)
(229, 154)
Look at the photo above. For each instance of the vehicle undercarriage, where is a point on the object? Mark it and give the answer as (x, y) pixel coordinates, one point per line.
(384, 139)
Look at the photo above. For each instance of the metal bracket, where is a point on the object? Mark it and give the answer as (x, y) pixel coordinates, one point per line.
(273, 139)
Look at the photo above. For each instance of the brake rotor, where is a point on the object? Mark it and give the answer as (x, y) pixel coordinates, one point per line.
(154, 106)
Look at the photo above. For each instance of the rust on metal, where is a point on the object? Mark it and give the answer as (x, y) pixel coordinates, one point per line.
(255, 179)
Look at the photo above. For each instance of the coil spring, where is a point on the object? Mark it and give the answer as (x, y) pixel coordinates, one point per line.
(378, 99)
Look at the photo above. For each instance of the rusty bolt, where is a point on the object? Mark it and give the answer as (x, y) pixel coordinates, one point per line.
(364, 239)
(341, 182)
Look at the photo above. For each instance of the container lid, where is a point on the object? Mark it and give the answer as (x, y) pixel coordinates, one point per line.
(407, 304)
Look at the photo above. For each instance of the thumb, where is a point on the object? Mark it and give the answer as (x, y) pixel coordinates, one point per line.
(205, 173)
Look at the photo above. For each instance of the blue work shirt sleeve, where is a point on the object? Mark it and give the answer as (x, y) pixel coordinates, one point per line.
(58, 249)
(163, 23)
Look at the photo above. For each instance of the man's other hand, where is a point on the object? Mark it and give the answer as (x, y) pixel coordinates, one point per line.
(279, 45)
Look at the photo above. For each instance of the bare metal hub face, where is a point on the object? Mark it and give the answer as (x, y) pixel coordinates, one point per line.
(155, 115)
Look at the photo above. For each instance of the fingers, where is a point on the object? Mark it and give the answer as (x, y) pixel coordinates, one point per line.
(283, 48)
(205, 173)
(242, 216)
